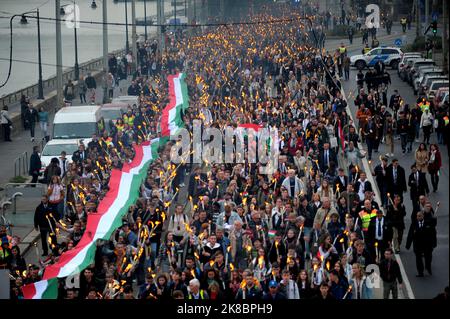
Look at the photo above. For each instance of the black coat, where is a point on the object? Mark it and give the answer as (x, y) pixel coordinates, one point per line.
(395, 217)
(76, 157)
(392, 273)
(423, 239)
(35, 164)
(31, 116)
(386, 231)
(342, 186)
(332, 158)
(40, 219)
(400, 186)
(417, 189)
(367, 186)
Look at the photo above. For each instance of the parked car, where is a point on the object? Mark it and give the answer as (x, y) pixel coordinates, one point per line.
(441, 96)
(434, 86)
(390, 56)
(416, 64)
(54, 148)
(407, 56)
(423, 76)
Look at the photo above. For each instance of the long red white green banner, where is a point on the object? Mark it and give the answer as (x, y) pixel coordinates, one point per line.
(124, 190)
(171, 119)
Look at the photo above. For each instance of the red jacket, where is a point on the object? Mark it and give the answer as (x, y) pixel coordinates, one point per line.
(298, 146)
(436, 165)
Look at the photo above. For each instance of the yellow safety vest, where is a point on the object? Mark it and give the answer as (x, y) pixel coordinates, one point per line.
(201, 295)
(366, 217)
(366, 50)
(342, 50)
(128, 119)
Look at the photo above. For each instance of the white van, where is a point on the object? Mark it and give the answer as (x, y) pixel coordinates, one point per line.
(133, 101)
(76, 122)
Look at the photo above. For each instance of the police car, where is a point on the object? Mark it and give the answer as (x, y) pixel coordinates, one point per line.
(390, 56)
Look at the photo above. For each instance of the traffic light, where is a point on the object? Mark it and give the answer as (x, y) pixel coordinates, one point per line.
(434, 27)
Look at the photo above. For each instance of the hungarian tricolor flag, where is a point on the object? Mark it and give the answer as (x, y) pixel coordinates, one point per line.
(124, 190)
(256, 127)
(341, 135)
(171, 119)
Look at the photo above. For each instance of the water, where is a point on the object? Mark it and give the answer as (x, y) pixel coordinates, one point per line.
(25, 71)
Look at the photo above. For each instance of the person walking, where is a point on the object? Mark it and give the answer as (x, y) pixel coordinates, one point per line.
(422, 236)
(69, 92)
(110, 84)
(421, 157)
(45, 224)
(395, 217)
(434, 165)
(350, 33)
(390, 274)
(23, 109)
(43, 122)
(31, 117)
(426, 123)
(35, 165)
(347, 67)
(403, 22)
(6, 124)
(418, 186)
(91, 86)
(82, 88)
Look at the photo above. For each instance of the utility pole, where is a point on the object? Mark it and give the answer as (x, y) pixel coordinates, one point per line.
(77, 68)
(59, 74)
(418, 26)
(160, 22)
(427, 11)
(145, 18)
(445, 33)
(175, 17)
(127, 44)
(40, 86)
(133, 34)
(105, 48)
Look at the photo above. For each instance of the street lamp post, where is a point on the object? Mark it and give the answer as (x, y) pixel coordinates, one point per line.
(77, 68)
(127, 44)
(40, 85)
(145, 18)
(24, 20)
(175, 17)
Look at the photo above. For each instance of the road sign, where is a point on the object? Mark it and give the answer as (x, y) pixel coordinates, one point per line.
(398, 42)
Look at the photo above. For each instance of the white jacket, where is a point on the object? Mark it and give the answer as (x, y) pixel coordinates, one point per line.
(5, 117)
(426, 119)
(299, 186)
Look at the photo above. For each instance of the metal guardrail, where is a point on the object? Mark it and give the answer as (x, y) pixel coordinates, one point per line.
(32, 90)
(21, 164)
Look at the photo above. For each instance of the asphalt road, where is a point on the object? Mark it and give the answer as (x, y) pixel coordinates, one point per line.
(429, 286)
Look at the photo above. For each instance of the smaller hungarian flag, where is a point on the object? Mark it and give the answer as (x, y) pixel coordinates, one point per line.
(272, 233)
(341, 136)
(256, 127)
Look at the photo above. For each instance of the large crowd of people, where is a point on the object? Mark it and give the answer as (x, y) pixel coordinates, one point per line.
(313, 230)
